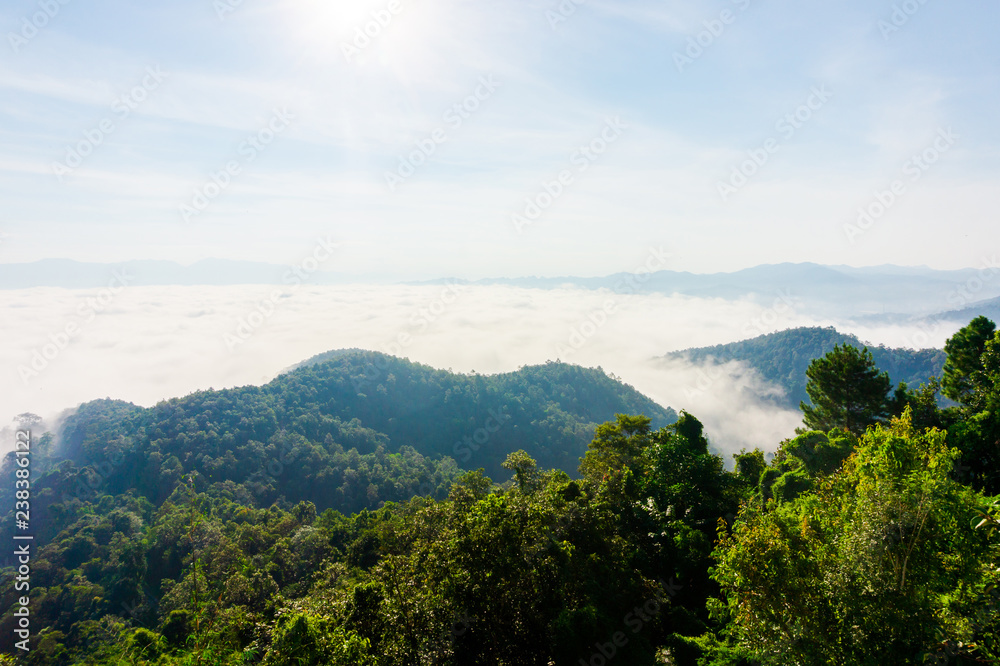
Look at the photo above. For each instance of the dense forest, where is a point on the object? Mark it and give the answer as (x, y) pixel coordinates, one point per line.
(783, 357)
(333, 516)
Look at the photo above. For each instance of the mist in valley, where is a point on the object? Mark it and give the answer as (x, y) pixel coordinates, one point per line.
(146, 344)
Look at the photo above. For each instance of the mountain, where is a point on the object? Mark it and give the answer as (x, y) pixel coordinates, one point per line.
(814, 288)
(346, 430)
(549, 410)
(194, 532)
(270, 494)
(822, 290)
(989, 307)
(783, 357)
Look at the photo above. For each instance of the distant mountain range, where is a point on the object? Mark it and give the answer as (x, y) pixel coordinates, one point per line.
(877, 293)
(825, 290)
(783, 357)
(986, 308)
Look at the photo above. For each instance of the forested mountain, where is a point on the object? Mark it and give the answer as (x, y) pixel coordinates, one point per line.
(202, 530)
(550, 410)
(347, 433)
(782, 358)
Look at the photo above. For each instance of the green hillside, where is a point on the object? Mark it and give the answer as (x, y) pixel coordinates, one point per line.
(314, 522)
(782, 358)
(348, 433)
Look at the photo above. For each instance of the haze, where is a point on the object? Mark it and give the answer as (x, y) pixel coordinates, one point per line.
(146, 344)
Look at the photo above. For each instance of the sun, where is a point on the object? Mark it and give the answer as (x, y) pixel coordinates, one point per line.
(407, 37)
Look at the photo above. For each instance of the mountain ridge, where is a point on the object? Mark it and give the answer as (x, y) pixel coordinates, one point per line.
(893, 293)
(347, 400)
(782, 358)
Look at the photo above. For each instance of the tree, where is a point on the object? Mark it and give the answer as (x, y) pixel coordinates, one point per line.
(749, 466)
(615, 445)
(524, 468)
(976, 426)
(963, 370)
(922, 403)
(876, 565)
(846, 390)
(990, 387)
(27, 420)
(301, 640)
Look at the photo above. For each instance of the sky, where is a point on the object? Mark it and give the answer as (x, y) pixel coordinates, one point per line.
(437, 138)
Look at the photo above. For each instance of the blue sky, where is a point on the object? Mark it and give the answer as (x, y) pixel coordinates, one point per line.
(330, 127)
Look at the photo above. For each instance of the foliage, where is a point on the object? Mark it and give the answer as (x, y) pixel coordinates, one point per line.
(963, 377)
(783, 357)
(876, 565)
(846, 390)
(316, 521)
(974, 427)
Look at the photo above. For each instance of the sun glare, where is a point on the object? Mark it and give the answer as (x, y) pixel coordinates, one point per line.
(410, 38)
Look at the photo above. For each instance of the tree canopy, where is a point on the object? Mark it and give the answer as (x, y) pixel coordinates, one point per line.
(846, 390)
(301, 524)
(963, 377)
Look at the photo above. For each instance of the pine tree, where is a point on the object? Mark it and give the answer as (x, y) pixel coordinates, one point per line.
(846, 390)
(963, 371)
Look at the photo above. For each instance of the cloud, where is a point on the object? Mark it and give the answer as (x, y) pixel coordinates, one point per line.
(145, 344)
(354, 120)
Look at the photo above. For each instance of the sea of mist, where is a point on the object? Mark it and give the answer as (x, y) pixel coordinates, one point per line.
(145, 344)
